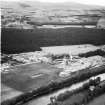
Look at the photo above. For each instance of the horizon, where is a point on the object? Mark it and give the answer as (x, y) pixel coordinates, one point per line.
(85, 2)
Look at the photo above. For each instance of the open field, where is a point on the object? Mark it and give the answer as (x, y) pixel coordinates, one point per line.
(21, 40)
(70, 49)
(8, 92)
(30, 76)
(98, 101)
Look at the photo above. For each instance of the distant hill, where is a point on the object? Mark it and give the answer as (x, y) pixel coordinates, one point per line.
(36, 13)
(48, 5)
(66, 5)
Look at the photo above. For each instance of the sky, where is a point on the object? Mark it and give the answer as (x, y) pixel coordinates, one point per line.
(89, 2)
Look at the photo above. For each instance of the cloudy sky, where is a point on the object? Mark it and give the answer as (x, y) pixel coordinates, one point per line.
(90, 2)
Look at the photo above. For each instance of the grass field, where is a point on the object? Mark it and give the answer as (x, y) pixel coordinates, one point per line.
(31, 76)
(8, 92)
(70, 49)
(28, 77)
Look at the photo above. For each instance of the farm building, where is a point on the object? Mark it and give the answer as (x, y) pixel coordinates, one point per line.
(101, 23)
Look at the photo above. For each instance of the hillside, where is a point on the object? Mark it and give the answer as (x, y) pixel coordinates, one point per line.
(28, 14)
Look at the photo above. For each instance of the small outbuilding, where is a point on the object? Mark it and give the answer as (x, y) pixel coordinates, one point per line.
(101, 23)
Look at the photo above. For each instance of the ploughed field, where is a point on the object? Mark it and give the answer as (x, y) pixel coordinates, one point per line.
(21, 40)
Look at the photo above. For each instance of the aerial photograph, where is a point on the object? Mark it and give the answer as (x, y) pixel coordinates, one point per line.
(52, 52)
